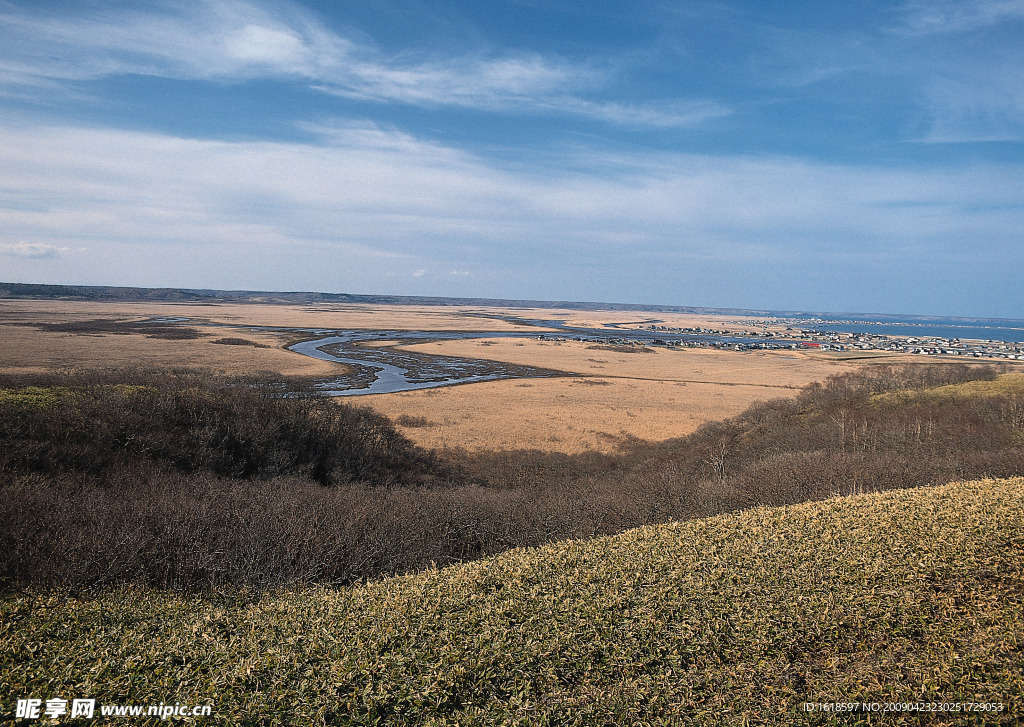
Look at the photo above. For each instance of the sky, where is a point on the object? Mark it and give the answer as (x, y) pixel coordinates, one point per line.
(860, 156)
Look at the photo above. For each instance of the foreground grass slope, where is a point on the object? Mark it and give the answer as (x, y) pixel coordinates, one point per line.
(914, 595)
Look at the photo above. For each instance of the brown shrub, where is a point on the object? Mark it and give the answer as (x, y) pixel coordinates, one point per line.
(180, 481)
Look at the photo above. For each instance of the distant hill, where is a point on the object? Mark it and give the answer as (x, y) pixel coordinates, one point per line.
(106, 293)
(157, 295)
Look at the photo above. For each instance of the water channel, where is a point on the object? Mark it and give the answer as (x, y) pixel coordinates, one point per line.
(384, 369)
(379, 366)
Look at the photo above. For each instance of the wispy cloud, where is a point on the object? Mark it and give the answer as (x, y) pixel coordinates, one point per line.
(945, 71)
(958, 16)
(983, 107)
(969, 69)
(460, 81)
(243, 39)
(667, 115)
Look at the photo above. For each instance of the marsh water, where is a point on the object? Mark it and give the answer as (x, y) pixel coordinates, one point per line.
(387, 370)
(384, 369)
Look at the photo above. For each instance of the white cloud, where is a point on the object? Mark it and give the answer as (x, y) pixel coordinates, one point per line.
(202, 39)
(379, 198)
(24, 249)
(243, 39)
(373, 210)
(261, 45)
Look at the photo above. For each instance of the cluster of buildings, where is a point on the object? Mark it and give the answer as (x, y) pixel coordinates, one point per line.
(796, 339)
(928, 346)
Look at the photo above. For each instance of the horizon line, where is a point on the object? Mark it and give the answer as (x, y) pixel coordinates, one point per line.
(10, 290)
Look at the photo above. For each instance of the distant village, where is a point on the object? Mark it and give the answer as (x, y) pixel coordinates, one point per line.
(796, 339)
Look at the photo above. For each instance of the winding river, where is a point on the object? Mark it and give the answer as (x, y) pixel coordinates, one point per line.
(379, 367)
(384, 369)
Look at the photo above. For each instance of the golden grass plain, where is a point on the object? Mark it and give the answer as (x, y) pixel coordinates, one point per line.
(617, 397)
(611, 398)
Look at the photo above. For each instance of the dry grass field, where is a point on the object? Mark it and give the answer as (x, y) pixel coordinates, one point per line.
(653, 395)
(613, 398)
(26, 348)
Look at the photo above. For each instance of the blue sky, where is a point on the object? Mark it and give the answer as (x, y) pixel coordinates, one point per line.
(852, 157)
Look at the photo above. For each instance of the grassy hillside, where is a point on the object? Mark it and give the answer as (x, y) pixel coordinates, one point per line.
(1008, 385)
(908, 596)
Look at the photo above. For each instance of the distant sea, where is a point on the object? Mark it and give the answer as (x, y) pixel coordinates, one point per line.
(985, 329)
